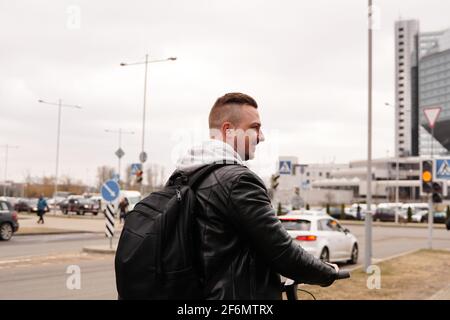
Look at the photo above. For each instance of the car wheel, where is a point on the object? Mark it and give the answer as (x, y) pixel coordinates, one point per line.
(6, 231)
(354, 256)
(325, 255)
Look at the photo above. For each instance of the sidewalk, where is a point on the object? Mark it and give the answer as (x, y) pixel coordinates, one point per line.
(443, 294)
(56, 225)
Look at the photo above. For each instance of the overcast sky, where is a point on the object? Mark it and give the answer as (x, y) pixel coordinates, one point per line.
(305, 62)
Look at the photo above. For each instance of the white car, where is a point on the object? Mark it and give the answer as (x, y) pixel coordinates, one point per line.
(322, 236)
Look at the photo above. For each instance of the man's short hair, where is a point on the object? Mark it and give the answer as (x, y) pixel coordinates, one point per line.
(227, 108)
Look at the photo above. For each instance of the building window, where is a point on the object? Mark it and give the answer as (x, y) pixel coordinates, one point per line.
(307, 174)
(401, 36)
(400, 29)
(401, 43)
(320, 174)
(400, 57)
(401, 78)
(401, 134)
(400, 85)
(401, 50)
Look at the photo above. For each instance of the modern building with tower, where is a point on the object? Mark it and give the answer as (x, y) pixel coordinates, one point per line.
(422, 80)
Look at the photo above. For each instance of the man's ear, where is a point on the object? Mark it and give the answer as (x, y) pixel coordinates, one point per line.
(227, 129)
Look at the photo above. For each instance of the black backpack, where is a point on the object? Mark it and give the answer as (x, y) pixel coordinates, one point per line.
(156, 255)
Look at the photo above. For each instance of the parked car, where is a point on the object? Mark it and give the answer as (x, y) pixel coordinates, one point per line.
(322, 236)
(438, 216)
(387, 214)
(8, 220)
(335, 212)
(27, 205)
(80, 206)
(88, 205)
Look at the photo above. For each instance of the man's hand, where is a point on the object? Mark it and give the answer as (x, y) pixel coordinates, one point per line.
(335, 266)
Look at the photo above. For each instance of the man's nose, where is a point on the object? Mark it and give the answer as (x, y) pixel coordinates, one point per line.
(261, 137)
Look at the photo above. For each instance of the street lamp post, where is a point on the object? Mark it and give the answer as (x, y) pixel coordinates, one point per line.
(120, 132)
(143, 155)
(368, 219)
(7, 147)
(60, 105)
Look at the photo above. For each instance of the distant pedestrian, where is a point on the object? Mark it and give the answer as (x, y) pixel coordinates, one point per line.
(123, 207)
(41, 206)
(358, 212)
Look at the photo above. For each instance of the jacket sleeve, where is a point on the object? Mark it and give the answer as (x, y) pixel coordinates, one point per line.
(253, 215)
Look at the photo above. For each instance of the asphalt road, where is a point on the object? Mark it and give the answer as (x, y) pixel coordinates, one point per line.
(41, 279)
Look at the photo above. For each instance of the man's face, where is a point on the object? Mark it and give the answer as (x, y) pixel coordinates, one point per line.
(247, 134)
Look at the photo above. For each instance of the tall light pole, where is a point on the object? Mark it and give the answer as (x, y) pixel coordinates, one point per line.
(60, 105)
(368, 218)
(143, 155)
(7, 147)
(119, 151)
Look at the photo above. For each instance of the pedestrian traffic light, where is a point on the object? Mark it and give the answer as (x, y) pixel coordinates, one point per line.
(139, 174)
(437, 192)
(427, 176)
(274, 181)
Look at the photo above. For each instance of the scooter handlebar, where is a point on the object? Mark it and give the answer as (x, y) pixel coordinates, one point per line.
(343, 274)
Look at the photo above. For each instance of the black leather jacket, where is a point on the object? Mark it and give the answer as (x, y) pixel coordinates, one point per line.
(243, 246)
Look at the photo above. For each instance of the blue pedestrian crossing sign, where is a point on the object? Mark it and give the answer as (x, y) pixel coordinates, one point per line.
(110, 190)
(135, 167)
(442, 169)
(285, 167)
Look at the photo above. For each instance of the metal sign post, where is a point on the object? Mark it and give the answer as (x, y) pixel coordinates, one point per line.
(431, 114)
(110, 192)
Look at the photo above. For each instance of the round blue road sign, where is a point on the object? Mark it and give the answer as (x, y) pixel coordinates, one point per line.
(110, 190)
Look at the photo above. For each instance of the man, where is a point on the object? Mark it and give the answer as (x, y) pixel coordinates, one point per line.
(123, 208)
(41, 207)
(242, 245)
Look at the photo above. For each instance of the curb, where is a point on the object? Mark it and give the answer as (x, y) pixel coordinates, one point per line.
(100, 249)
(390, 225)
(52, 233)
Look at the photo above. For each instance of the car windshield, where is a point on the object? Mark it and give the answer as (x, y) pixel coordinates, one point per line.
(296, 224)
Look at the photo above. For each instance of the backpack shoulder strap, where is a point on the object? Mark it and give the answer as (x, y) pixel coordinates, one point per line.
(200, 174)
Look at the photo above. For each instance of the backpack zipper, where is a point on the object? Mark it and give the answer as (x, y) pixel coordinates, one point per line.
(178, 194)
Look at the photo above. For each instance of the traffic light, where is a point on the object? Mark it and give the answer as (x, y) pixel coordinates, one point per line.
(139, 174)
(437, 192)
(427, 176)
(274, 181)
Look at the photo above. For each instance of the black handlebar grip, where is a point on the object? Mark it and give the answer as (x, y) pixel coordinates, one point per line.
(343, 274)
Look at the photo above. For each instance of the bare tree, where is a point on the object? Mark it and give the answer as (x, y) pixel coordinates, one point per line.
(104, 173)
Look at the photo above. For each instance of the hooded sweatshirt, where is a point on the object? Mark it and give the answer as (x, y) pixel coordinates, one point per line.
(209, 152)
